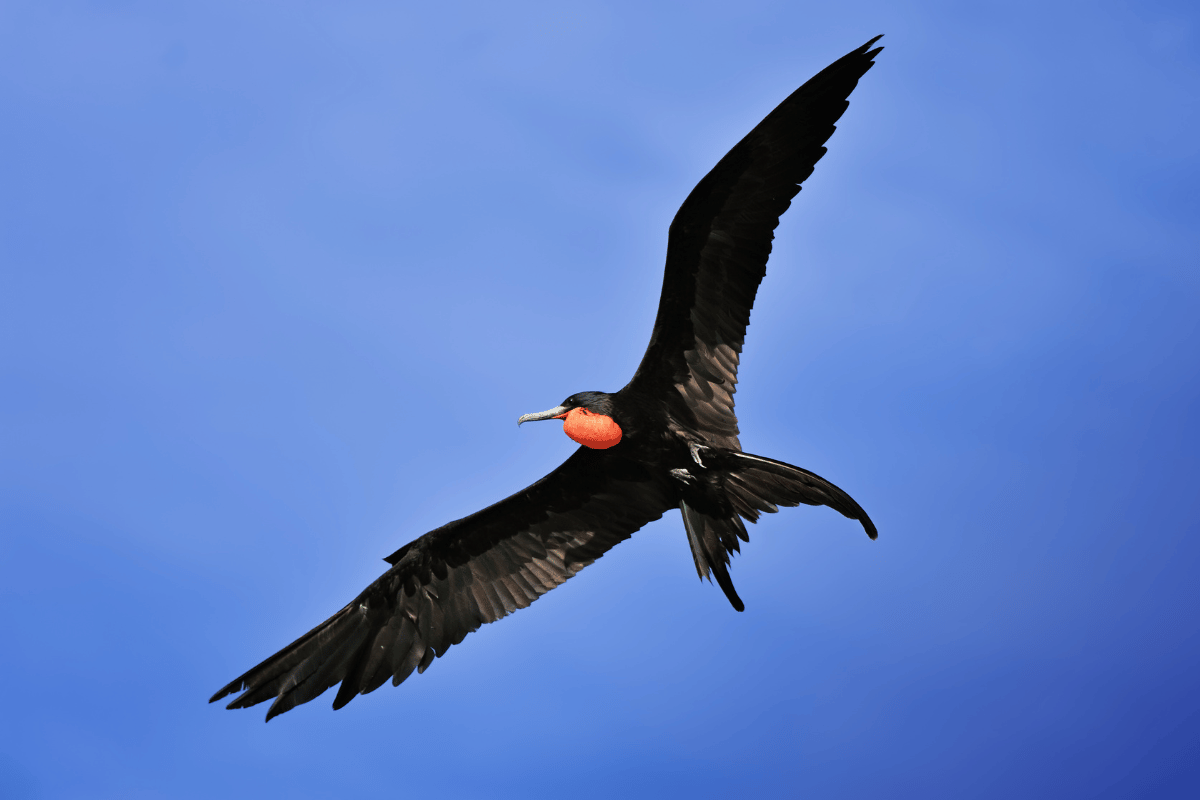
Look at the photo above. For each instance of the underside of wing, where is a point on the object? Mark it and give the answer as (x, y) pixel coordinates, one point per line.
(452, 580)
(718, 247)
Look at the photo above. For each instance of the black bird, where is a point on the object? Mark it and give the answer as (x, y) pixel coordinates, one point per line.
(669, 439)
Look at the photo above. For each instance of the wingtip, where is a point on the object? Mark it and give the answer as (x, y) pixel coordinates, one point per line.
(870, 54)
(275, 710)
(226, 690)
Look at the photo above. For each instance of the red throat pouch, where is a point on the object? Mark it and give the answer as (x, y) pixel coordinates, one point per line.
(591, 430)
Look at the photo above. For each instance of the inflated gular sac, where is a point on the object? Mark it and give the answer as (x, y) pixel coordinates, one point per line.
(591, 430)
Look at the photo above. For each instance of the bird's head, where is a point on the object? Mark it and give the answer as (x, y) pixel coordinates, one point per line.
(587, 418)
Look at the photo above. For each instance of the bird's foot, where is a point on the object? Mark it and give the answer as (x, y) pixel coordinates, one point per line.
(683, 476)
(696, 450)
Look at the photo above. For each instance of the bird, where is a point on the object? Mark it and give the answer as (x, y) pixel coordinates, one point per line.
(667, 440)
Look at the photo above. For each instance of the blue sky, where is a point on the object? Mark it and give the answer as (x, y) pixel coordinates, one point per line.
(276, 280)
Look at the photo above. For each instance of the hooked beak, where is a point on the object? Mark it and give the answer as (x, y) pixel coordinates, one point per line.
(553, 413)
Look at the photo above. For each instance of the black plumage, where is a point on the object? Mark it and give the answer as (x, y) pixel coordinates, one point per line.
(674, 428)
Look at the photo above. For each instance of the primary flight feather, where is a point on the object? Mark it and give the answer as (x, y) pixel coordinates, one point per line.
(669, 439)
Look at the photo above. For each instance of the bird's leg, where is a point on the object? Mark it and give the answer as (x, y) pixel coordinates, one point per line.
(683, 476)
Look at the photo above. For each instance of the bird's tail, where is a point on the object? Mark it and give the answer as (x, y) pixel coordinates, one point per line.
(713, 541)
(756, 484)
(753, 485)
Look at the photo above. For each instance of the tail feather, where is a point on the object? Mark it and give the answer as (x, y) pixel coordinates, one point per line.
(712, 541)
(757, 484)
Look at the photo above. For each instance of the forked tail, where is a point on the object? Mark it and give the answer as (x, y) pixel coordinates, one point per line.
(754, 485)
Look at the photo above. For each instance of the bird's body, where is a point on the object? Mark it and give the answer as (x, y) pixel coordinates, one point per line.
(669, 439)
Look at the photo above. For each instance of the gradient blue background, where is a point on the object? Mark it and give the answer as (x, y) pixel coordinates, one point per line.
(278, 278)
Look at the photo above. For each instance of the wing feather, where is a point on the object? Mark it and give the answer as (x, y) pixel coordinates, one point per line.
(451, 581)
(718, 247)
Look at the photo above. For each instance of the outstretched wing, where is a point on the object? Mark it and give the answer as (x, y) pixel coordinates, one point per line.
(450, 581)
(718, 247)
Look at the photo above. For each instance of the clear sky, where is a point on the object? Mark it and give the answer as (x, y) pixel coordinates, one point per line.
(276, 280)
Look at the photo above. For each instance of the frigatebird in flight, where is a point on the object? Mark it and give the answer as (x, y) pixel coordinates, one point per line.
(669, 439)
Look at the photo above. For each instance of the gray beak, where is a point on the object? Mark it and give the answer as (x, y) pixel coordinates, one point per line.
(557, 411)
